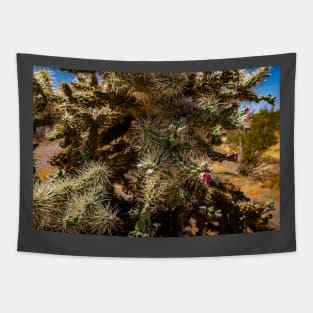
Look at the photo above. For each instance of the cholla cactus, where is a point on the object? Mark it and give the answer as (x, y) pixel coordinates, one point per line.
(78, 204)
(155, 132)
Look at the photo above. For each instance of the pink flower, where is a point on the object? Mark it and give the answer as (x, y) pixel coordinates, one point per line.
(249, 116)
(246, 108)
(206, 178)
(234, 157)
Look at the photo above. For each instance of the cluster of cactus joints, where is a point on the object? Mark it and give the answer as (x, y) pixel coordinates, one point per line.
(78, 204)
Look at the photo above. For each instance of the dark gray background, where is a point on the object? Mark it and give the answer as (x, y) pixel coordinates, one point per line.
(234, 244)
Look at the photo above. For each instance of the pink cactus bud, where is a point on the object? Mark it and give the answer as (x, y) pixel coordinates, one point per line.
(234, 157)
(206, 178)
(246, 108)
(238, 104)
(249, 116)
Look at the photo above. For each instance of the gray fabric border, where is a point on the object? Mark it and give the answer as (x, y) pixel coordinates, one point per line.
(284, 240)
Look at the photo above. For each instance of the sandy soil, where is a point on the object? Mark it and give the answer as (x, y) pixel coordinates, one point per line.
(260, 186)
(42, 154)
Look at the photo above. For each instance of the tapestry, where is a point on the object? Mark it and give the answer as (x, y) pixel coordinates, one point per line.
(156, 159)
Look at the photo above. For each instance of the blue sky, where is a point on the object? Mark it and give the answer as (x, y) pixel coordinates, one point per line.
(58, 75)
(271, 86)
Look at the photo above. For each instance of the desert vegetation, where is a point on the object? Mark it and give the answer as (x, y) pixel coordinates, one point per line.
(145, 154)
